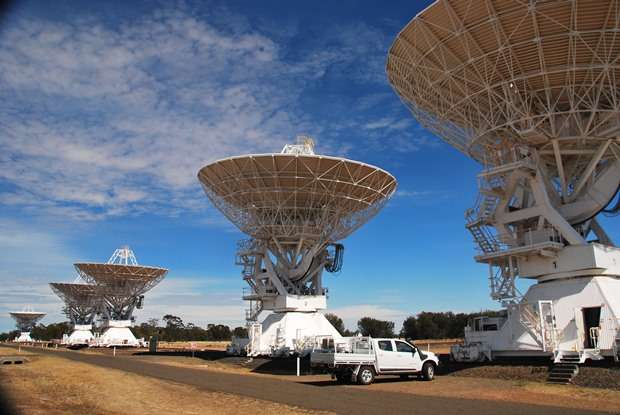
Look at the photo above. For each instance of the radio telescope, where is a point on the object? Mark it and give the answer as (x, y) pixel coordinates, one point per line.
(26, 320)
(294, 205)
(120, 284)
(81, 306)
(529, 90)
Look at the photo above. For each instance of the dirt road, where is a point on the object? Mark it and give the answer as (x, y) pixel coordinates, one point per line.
(318, 395)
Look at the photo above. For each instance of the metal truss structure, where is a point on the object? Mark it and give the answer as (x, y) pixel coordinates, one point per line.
(303, 199)
(294, 205)
(121, 282)
(488, 75)
(26, 320)
(81, 301)
(530, 89)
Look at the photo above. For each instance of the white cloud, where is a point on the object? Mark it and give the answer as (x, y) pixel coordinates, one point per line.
(104, 122)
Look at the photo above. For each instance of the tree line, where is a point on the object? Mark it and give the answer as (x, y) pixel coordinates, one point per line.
(174, 329)
(425, 325)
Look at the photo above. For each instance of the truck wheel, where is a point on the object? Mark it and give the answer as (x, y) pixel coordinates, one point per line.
(428, 371)
(365, 376)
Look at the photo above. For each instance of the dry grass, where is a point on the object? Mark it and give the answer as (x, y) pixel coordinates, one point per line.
(52, 385)
(212, 345)
(438, 346)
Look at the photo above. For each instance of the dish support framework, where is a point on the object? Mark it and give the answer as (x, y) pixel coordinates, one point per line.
(573, 309)
(294, 298)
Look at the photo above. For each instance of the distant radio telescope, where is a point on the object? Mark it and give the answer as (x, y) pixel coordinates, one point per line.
(26, 320)
(121, 284)
(81, 306)
(295, 206)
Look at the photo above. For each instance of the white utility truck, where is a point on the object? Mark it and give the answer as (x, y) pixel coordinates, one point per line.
(360, 359)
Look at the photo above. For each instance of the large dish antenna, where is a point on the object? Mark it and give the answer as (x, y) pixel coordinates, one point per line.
(121, 282)
(502, 81)
(81, 301)
(296, 196)
(294, 205)
(529, 89)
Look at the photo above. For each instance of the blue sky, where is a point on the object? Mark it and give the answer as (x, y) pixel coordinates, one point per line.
(109, 109)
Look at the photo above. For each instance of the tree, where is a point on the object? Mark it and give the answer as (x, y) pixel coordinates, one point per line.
(51, 331)
(173, 321)
(10, 336)
(336, 322)
(410, 328)
(240, 332)
(146, 330)
(369, 326)
(174, 330)
(446, 325)
(218, 332)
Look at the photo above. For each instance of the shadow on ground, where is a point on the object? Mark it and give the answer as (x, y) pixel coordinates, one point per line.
(278, 366)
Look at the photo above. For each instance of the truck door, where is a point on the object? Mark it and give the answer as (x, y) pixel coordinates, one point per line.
(387, 358)
(408, 357)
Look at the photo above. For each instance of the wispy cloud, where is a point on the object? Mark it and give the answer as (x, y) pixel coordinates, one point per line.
(99, 121)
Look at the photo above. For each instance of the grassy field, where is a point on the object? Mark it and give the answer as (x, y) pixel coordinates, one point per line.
(52, 385)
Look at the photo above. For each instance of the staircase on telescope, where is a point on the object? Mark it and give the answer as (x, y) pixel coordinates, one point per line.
(252, 313)
(478, 223)
(247, 258)
(564, 369)
(530, 320)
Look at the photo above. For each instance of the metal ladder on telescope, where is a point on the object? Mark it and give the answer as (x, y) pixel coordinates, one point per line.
(477, 223)
(252, 313)
(531, 321)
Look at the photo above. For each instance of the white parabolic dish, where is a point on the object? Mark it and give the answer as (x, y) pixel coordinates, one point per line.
(294, 197)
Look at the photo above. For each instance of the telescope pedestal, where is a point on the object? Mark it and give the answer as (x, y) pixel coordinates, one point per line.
(118, 334)
(24, 337)
(571, 313)
(288, 333)
(82, 335)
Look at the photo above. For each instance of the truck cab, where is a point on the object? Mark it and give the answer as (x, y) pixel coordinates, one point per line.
(361, 359)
